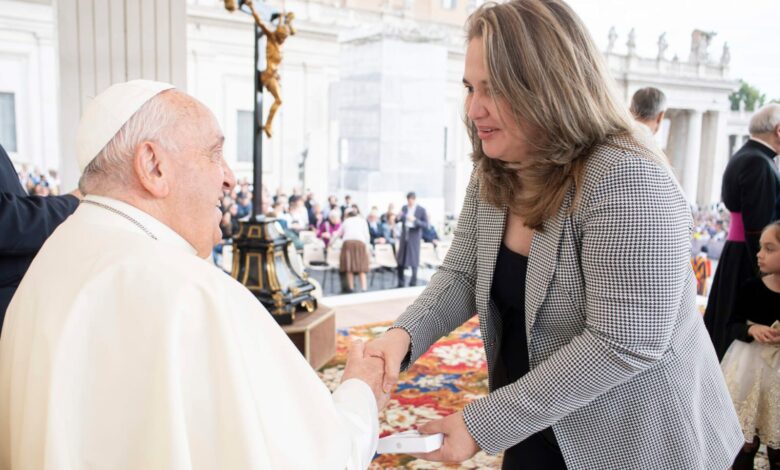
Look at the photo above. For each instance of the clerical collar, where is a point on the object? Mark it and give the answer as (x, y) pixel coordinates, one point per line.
(139, 221)
(755, 139)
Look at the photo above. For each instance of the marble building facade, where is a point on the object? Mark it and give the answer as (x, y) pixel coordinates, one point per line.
(372, 95)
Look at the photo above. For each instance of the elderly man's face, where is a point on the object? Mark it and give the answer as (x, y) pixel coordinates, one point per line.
(201, 176)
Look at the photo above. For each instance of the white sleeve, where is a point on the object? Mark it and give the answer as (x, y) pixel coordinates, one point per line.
(356, 405)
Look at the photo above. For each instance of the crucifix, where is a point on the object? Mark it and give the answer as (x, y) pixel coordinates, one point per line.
(263, 260)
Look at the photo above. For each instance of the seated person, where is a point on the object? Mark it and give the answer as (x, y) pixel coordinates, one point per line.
(140, 353)
(390, 229)
(329, 229)
(429, 234)
(244, 205)
(299, 215)
(375, 227)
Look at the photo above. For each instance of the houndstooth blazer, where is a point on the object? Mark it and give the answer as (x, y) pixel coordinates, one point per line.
(621, 365)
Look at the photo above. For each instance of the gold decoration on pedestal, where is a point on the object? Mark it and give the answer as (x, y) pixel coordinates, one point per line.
(261, 262)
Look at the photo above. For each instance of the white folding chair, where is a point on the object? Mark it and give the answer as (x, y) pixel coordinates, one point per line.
(333, 260)
(428, 256)
(333, 256)
(307, 236)
(441, 250)
(314, 260)
(384, 256)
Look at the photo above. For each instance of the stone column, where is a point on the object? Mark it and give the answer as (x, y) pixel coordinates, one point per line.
(676, 142)
(692, 155)
(102, 42)
(718, 149)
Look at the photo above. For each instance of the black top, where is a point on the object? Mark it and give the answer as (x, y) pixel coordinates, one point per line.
(508, 294)
(25, 223)
(755, 302)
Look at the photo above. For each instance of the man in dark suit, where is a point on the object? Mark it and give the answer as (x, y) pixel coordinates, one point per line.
(751, 191)
(413, 220)
(26, 221)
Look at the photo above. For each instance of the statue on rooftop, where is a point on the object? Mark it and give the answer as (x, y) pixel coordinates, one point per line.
(612, 38)
(631, 43)
(662, 46)
(700, 41)
(725, 58)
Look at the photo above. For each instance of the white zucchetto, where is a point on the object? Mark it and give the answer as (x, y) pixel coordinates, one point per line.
(108, 112)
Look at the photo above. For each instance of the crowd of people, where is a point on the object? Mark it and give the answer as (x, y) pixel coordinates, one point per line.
(38, 183)
(710, 223)
(338, 222)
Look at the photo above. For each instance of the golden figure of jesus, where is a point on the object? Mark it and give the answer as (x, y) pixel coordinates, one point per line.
(273, 54)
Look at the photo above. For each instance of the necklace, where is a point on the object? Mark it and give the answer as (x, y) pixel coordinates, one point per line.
(121, 214)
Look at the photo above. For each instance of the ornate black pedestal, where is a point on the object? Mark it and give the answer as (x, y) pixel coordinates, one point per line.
(261, 262)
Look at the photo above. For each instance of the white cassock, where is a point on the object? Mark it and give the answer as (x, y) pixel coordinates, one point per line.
(124, 352)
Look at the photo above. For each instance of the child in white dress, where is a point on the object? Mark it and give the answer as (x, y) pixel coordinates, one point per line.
(752, 363)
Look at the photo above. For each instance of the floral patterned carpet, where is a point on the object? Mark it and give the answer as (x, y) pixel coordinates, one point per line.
(452, 373)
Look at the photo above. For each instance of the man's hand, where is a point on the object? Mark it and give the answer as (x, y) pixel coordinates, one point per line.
(368, 369)
(764, 334)
(391, 347)
(458, 444)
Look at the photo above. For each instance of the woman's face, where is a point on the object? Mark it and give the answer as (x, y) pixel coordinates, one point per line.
(502, 138)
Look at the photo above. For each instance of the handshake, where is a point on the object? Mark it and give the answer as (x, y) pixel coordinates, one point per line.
(378, 363)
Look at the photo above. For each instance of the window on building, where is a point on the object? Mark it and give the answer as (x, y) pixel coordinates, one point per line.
(8, 121)
(245, 135)
(449, 4)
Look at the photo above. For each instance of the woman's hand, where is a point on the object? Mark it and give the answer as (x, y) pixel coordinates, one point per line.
(392, 348)
(764, 334)
(458, 444)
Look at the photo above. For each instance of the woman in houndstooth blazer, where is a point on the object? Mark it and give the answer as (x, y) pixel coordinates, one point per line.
(575, 230)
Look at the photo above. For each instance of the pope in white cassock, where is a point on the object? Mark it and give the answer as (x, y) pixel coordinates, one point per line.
(125, 349)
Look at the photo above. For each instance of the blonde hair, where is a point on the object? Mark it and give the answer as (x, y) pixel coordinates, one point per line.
(543, 62)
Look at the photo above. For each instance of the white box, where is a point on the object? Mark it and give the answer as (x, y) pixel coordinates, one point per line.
(409, 442)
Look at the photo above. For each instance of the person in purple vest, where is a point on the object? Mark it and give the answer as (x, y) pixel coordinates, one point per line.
(751, 191)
